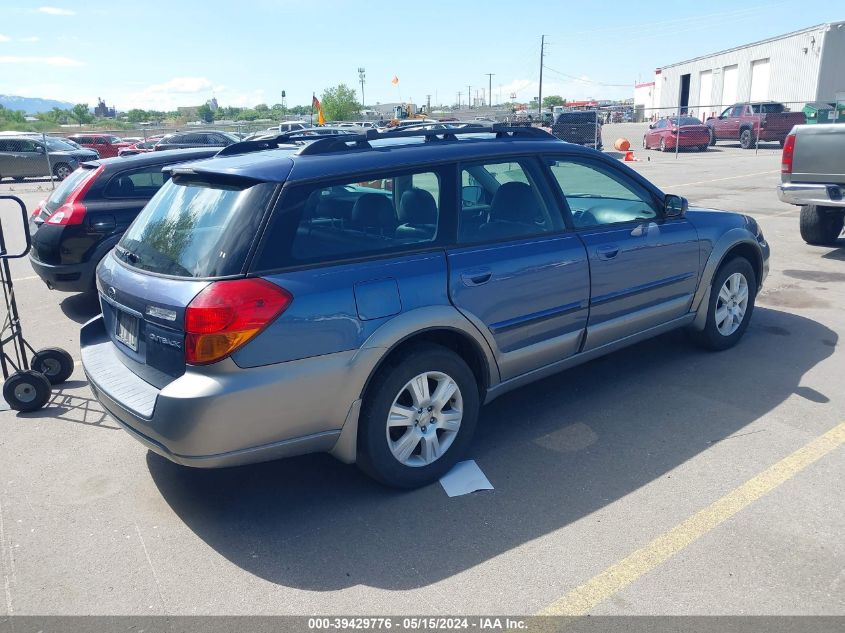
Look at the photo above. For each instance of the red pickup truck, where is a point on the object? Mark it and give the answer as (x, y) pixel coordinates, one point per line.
(748, 122)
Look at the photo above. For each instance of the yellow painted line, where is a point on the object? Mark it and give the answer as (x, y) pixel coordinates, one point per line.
(581, 600)
(704, 182)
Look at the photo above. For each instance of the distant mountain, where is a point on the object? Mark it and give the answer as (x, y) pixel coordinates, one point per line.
(32, 105)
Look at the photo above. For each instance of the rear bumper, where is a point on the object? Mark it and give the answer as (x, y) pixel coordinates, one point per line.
(224, 415)
(66, 277)
(802, 194)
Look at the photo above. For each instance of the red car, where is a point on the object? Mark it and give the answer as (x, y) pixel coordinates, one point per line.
(663, 134)
(107, 146)
(140, 147)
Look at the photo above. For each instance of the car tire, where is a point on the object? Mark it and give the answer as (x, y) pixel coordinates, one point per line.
(746, 138)
(403, 389)
(819, 227)
(645, 145)
(62, 171)
(729, 308)
(55, 363)
(712, 137)
(703, 148)
(662, 144)
(26, 390)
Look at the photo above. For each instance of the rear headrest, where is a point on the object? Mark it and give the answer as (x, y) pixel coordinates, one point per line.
(374, 211)
(417, 206)
(515, 202)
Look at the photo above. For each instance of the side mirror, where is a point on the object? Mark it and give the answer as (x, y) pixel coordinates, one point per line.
(40, 149)
(675, 206)
(651, 126)
(471, 194)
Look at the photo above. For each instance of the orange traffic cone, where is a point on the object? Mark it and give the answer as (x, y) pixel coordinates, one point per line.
(629, 156)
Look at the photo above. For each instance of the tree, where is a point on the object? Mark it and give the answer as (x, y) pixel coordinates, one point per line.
(81, 114)
(205, 113)
(136, 115)
(262, 108)
(553, 100)
(340, 103)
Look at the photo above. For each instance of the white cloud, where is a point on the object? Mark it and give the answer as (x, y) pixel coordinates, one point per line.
(44, 61)
(31, 38)
(187, 91)
(5, 38)
(55, 11)
(182, 85)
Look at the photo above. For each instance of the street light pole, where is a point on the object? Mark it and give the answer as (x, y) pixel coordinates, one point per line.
(490, 89)
(469, 97)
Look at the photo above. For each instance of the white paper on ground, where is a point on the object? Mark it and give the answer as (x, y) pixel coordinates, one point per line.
(464, 478)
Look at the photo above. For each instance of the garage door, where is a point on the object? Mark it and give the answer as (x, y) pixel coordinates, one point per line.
(730, 76)
(705, 94)
(760, 80)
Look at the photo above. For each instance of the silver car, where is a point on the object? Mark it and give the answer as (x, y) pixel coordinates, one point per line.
(26, 157)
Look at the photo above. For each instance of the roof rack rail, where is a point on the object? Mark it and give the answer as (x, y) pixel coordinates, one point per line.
(327, 143)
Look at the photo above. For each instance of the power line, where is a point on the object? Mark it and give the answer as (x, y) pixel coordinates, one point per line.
(587, 81)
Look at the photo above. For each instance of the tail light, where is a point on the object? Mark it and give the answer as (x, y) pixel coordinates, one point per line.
(37, 211)
(788, 153)
(73, 211)
(227, 314)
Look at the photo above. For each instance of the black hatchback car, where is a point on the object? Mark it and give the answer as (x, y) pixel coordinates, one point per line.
(86, 215)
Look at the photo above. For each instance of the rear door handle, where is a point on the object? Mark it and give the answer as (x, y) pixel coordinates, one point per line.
(607, 252)
(476, 277)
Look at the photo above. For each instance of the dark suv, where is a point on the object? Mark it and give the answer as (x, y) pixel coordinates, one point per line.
(205, 138)
(581, 127)
(365, 295)
(85, 216)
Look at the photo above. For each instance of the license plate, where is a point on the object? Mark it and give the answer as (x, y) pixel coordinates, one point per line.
(126, 330)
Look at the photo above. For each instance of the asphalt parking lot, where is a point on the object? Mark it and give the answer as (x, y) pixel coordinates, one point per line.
(658, 480)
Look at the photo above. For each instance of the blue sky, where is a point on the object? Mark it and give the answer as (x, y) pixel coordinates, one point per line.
(160, 55)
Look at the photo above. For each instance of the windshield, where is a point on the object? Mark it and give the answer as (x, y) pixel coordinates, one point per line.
(57, 145)
(196, 229)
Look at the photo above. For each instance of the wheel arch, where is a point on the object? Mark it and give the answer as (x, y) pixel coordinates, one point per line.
(736, 242)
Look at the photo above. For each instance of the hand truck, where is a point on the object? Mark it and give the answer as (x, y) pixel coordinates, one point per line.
(29, 387)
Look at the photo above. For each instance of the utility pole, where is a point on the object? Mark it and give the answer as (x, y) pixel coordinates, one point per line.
(362, 74)
(427, 104)
(490, 89)
(540, 97)
(469, 97)
(459, 100)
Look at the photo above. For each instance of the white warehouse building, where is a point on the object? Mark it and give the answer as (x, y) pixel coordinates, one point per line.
(796, 68)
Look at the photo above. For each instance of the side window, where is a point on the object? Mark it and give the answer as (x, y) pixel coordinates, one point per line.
(660, 124)
(726, 112)
(141, 183)
(382, 213)
(738, 110)
(502, 201)
(6, 146)
(598, 196)
(28, 146)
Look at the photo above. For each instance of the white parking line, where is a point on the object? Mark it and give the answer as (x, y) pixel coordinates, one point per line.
(704, 182)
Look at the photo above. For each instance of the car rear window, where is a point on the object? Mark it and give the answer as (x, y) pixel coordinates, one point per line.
(196, 229)
(577, 117)
(63, 190)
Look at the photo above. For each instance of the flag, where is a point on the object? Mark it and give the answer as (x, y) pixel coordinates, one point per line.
(395, 80)
(315, 103)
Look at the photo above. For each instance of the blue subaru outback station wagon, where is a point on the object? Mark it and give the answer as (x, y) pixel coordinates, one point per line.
(365, 295)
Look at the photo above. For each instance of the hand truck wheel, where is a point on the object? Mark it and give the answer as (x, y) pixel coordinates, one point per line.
(26, 390)
(54, 362)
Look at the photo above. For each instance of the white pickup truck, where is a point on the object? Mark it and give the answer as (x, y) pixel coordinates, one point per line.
(813, 177)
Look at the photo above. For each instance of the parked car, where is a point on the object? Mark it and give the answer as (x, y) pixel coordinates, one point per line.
(677, 133)
(813, 177)
(26, 157)
(334, 297)
(140, 147)
(580, 127)
(85, 216)
(748, 122)
(290, 126)
(206, 138)
(107, 145)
